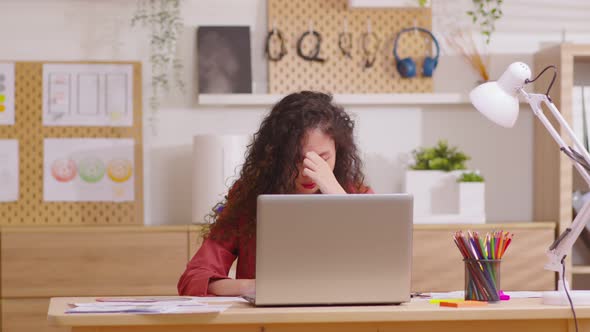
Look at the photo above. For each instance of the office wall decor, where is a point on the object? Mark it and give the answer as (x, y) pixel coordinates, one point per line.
(338, 73)
(30, 209)
(224, 59)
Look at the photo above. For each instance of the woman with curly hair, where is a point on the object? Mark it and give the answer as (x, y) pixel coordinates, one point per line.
(304, 146)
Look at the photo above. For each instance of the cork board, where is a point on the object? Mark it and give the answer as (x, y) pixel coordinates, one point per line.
(30, 209)
(340, 74)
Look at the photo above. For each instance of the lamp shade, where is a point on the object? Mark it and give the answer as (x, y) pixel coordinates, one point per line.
(498, 101)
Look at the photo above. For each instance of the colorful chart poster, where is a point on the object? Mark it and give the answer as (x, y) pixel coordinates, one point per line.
(7, 94)
(8, 170)
(89, 170)
(87, 95)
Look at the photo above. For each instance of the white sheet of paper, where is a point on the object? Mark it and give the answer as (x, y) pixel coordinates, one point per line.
(190, 302)
(196, 309)
(524, 294)
(87, 95)
(150, 309)
(448, 295)
(8, 170)
(88, 170)
(7, 94)
(219, 299)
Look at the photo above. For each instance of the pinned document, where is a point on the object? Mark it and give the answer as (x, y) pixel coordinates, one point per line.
(88, 95)
(178, 305)
(9, 170)
(7, 94)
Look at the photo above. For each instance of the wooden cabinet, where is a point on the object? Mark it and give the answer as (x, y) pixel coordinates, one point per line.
(92, 261)
(27, 315)
(437, 264)
(39, 263)
(555, 179)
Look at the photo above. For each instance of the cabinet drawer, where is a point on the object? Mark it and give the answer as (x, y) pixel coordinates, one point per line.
(87, 263)
(438, 265)
(27, 315)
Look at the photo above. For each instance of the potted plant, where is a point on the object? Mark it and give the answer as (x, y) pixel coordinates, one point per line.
(472, 195)
(432, 180)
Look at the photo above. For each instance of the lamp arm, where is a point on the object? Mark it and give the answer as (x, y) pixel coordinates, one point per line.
(564, 242)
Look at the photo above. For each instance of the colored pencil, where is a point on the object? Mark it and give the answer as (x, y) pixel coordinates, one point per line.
(481, 255)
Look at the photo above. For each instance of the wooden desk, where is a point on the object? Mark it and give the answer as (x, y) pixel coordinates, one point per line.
(417, 316)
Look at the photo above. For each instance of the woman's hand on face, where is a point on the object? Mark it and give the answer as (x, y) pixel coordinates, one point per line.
(316, 168)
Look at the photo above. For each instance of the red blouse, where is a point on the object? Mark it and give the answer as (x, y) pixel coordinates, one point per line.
(215, 257)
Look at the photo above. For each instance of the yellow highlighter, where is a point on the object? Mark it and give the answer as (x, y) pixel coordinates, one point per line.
(437, 301)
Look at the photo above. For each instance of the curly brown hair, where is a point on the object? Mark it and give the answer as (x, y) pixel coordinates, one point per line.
(271, 165)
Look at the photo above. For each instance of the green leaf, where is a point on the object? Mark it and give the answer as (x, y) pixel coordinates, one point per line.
(439, 164)
(470, 177)
(440, 157)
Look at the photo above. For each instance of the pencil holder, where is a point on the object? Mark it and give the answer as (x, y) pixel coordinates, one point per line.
(482, 279)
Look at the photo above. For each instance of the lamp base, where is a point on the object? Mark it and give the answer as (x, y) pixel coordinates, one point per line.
(579, 297)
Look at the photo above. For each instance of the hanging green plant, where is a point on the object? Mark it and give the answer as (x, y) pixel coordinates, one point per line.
(486, 13)
(164, 21)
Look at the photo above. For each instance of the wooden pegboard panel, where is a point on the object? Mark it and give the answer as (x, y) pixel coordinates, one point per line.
(30, 209)
(339, 74)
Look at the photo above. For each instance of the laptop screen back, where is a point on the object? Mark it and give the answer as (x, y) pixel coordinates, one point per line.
(333, 249)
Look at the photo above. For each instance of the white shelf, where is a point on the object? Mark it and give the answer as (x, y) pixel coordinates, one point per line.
(343, 99)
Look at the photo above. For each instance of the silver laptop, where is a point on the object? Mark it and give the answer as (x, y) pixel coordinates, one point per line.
(333, 249)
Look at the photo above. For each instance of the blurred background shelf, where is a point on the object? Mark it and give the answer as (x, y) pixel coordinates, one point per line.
(343, 99)
(581, 269)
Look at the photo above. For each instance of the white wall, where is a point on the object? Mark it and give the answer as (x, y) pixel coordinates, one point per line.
(100, 30)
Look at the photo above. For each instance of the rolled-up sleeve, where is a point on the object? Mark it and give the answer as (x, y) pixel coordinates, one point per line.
(211, 262)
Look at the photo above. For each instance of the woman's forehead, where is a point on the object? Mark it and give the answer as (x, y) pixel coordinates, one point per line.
(318, 141)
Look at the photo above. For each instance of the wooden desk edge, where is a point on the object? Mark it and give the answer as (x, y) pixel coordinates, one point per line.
(521, 309)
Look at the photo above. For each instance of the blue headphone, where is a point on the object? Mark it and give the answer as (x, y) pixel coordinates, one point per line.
(406, 66)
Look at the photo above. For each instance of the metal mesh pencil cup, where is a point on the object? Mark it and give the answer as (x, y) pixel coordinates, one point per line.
(482, 279)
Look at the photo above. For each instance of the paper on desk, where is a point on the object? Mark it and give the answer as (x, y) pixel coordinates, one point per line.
(217, 299)
(138, 302)
(144, 299)
(448, 295)
(92, 308)
(112, 309)
(195, 310)
(524, 295)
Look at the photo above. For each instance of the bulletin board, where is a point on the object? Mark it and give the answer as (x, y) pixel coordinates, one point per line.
(339, 74)
(30, 208)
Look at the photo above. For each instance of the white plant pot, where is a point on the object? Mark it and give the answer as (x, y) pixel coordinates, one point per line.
(472, 200)
(435, 192)
(439, 199)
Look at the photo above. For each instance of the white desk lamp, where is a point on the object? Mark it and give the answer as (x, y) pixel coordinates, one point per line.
(498, 101)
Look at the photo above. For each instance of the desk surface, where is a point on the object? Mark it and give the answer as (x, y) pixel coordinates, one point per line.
(243, 313)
